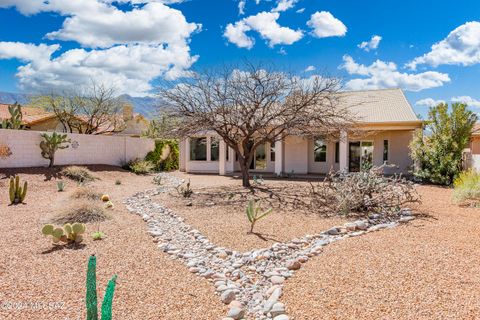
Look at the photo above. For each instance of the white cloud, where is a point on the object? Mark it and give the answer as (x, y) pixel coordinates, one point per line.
(241, 7)
(324, 24)
(284, 5)
(429, 102)
(382, 74)
(460, 47)
(264, 23)
(129, 68)
(372, 44)
(310, 69)
(139, 45)
(301, 10)
(471, 102)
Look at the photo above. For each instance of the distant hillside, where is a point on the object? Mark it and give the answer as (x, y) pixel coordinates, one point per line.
(146, 106)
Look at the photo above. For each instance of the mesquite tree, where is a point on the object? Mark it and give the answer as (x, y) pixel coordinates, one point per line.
(249, 107)
(50, 145)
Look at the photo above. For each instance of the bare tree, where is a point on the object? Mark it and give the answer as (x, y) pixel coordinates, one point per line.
(95, 109)
(252, 106)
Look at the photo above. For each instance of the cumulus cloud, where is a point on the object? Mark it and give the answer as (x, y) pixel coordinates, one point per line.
(471, 102)
(265, 23)
(382, 74)
(128, 49)
(429, 102)
(324, 24)
(129, 68)
(372, 44)
(310, 69)
(284, 5)
(460, 47)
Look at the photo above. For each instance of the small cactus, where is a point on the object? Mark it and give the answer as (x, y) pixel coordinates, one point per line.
(109, 205)
(16, 192)
(105, 198)
(69, 233)
(60, 186)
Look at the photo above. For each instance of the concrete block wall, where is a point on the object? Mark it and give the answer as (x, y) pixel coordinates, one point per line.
(90, 149)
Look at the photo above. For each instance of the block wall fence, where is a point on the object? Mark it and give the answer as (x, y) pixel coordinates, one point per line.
(84, 149)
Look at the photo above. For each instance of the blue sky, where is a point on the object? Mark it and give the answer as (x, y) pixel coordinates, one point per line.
(134, 43)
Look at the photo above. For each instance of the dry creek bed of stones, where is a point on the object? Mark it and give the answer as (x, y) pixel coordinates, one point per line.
(250, 283)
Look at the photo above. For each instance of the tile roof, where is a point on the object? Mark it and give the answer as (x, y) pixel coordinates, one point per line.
(30, 114)
(377, 106)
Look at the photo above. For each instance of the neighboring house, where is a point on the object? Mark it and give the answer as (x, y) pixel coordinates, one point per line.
(35, 118)
(471, 156)
(384, 116)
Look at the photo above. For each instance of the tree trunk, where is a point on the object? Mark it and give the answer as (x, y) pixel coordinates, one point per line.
(245, 173)
(52, 160)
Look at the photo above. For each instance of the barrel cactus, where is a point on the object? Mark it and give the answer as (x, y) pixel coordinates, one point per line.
(16, 192)
(91, 295)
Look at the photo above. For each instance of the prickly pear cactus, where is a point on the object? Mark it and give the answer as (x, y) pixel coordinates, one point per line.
(69, 233)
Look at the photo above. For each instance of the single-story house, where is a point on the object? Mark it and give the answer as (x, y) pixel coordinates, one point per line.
(385, 116)
(471, 155)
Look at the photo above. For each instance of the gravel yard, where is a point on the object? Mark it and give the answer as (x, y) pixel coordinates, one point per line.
(150, 285)
(428, 269)
(224, 221)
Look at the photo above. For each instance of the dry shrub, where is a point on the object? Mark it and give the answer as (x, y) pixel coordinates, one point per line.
(467, 188)
(86, 193)
(83, 211)
(78, 174)
(363, 193)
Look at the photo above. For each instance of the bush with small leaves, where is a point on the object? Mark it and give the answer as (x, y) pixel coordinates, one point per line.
(98, 235)
(78, 174)
(255, 213)
(157, 180)
(141, 166)
(467, 188)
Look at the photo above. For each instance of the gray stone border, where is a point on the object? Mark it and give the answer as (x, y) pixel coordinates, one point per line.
(249, 282)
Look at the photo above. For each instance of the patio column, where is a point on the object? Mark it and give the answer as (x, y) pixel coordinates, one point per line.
(279, 157)
(187, 155)
(343, 154)
(221, 158)
(231, 160)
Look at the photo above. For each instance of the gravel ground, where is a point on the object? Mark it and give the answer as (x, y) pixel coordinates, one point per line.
(37, 282)
(225, 222)
(429, 269)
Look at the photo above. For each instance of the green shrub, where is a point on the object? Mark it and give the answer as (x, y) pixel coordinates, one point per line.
(141, 166)
(161, 158)
(255, 213)
(78, 174)
(467, 187)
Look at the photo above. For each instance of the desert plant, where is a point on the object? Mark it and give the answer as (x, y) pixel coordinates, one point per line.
(105, 198)
(109, 205)
(255, 213)
(118, 182)
(91, 294)
(16, 192)
(69, 233)
(363, 193)
(78, 174)
(258, 180)
(51, 143)
(82, 210)
(60, 186)
(5, 151)
(15, 121)
(86, 193)
(141, 166)
(438, 155)
(165, 156)
(467, 187)
(157, 180)
(184, 190)
(98, 235)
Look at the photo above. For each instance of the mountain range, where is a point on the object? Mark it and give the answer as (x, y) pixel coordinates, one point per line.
(147, 106)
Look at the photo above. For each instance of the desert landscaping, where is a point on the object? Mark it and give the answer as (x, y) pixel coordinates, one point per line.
(382, 274)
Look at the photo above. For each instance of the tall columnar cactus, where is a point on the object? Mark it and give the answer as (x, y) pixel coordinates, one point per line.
(91, 298)
(51, 143)
(16, 192)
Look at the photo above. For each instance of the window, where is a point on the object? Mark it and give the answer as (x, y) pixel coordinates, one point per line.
(337, 152)
(198, 149)
(214, 149)
(272, 151)
(319, 150)
(385, 151)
